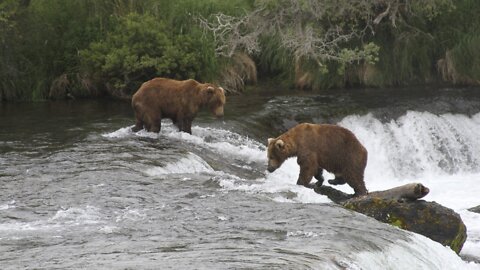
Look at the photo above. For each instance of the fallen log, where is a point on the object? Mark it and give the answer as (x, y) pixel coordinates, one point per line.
(405, 193)
(400, 207)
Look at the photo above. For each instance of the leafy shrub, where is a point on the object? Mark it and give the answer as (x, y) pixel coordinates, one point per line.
(139, 48)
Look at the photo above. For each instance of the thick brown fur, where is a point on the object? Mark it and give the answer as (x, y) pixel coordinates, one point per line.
(179, 101)
(319, 147)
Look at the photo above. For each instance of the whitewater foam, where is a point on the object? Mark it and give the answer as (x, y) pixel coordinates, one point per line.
(303, 234)
(440, 151)
(131, 215)
(224, 141)
(77, 216)
(126, 132)
(186, 165)
(418, 253)
(281, 184)
(8, 205)
(418, 144)
(62, 219)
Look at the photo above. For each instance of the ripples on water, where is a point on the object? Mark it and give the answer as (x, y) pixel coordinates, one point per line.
(80, 190)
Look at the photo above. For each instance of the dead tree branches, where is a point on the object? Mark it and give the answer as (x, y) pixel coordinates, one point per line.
(321, 30)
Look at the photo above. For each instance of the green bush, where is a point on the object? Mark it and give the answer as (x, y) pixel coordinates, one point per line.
(139, 48)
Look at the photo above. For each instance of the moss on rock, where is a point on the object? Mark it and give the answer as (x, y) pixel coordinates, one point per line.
(429, 219)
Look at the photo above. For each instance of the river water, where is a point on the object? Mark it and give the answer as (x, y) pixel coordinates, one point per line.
(79, 190)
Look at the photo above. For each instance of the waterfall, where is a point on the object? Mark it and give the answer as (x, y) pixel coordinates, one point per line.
(418, 144)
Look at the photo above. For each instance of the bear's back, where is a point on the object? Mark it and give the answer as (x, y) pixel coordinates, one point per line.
(328, 140)
(165, 84)
(159, 89)
(325, 132)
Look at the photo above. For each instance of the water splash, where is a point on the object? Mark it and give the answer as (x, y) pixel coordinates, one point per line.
(185, 165)
(62, 219)
(223, 141)
(8, 205)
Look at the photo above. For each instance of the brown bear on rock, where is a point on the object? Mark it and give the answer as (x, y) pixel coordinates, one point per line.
(179, 101)
(318, 147)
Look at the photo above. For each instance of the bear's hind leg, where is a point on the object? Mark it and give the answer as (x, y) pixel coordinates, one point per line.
(339, 180)
(187, 126)
(184, 124)
(358, 186)
(319, 176)
(178, 122)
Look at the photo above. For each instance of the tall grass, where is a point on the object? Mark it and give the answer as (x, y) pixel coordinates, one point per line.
(406, 57)
(275, 61)
(466, 57)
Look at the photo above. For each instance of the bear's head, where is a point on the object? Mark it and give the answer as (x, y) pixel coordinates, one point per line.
(277, 153)
(214, 98)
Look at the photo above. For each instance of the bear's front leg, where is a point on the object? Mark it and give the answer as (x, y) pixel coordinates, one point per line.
(156, 125)
(308, 168)
(306, 175)
(138, 126)
(152, 123)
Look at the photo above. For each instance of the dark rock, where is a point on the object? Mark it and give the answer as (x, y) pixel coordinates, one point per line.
(475, 209)
(333, 194)
(429, 219)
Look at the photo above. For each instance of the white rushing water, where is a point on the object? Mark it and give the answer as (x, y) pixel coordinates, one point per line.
(440, 151)
(422, 254)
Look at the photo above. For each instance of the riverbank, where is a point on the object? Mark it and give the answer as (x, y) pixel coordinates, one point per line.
(86, 49)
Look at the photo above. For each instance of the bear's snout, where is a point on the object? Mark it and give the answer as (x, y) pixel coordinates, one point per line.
(218, 112)
(272, 165)
(271, 169)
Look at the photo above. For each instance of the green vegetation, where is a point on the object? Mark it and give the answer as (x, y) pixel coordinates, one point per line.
(86, 48)
(123, 62)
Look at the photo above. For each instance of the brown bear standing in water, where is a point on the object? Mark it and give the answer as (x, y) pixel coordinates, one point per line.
(319, 147)
(179, 101)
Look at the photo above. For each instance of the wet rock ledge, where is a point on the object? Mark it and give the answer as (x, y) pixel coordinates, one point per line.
(401, 207)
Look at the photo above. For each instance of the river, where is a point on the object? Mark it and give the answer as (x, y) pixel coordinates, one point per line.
(79, 190)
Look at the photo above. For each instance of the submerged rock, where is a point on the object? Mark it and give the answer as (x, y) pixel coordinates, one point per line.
(475, 209)
(398, 207)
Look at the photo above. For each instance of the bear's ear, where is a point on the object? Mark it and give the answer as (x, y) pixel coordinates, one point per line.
(279, 144)
(270, 140)
(210, 90)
